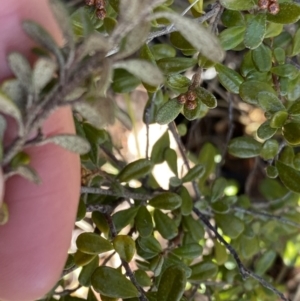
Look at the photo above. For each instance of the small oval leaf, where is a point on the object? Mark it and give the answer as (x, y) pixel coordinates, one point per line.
(166, 200)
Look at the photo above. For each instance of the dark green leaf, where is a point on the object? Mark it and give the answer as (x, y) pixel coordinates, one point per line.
(291, 133)
(269, 149)
(176, 64)
(180, 42)
(288, 13)
(161, 51)
(125, 247)
(142, 278)
(244, 147)
(163, 143)
(206, 97)
(135, 170)
(165, 225)
(199, 112)
(124, 82)
(232, 37)
(82, 259)
(286, 70)
(218, 188)
(87, 271)
(150, 244)
(143, 222)
(193, 227)
(92, 243)
(168, 111)
(187, 201)
(255, 31)
(166, 200)
(203, 271)
(289, 176)
(237, 4)
(104, 276)
(265, 262)
(189, 251)
(123, 218)
(232, 18)
(170, 156)
(172, 284)
(194, 173)
(269, 102)
(229, 78)
(231, 225)
(262, 58)
(178, 83)
(278, 119)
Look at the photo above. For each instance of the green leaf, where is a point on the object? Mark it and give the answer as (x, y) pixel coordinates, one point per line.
(206, 97)
(199, 112)
(278, 119)
(194, 173)
(265, 262)
(166, 200)
(272, 172)
(295, 108)
(203, 271)
(289, 176)
(218, 188)
(178, 83)
(87, 271)
(229, 78)
(189, 251)
(156, 265)
(91, 243)
(123, 218)
(206, 158)
(81, 211)
(244, 147)
(296, 43)
(279, 54)
(286, 70)
(170, 156)
(193, 227)
(82, 259)
(157, 153)
(221, 254)
(150, 244)
(198, 36)
(249, 90)
(165, 225)
(262, 58)
(124, 82)
(231, 18)
(187, 201)
(288, 13)
(162, 50)
(287, 155)
(180, 42)
(255, 31)
(135, 170)
(70, 142)
(125, 247)
(93, 134)
(273, 30)
(171, 65)
(238, 4)
(270, 149)
(122, 288)
(168, 111)
(231, 225)
(269, 102)
(291, 133)
(143, 222)
(142, 69)
(172, 284)
(101, 222)
(232, 37)
(142, 278)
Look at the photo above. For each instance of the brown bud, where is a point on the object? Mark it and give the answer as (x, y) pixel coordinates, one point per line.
(100, 4)
(182, 99)
(263, 4)
(90, 2)
(101, 13)
(191, 95)
(191, 104)
(273, 8)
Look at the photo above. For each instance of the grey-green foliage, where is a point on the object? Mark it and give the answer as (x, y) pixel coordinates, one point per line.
(164, 233)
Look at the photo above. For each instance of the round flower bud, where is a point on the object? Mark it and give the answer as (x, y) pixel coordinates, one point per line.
(273, 8)
(191, 104)
(100, 4)
(191, 95)
(263, 4)
(101, 13)
(90, 2)
(182, 98)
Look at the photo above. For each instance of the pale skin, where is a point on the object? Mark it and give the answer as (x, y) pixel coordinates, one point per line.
(35, 241)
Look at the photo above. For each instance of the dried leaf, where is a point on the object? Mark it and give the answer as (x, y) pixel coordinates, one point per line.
(9, 108)
(21, 69)
(142, 69)
(42, 73)
(197, 35)
(70, 142)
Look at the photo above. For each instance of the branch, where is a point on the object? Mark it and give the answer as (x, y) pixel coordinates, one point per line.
(267, 215)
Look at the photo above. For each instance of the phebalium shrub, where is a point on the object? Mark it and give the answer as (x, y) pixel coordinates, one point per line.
(222, 80)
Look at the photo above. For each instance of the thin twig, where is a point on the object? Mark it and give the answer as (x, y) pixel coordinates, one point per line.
(262, 214)
(67, 291)
(124, 193)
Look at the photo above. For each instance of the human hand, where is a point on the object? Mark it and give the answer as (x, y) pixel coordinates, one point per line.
(34, 242)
